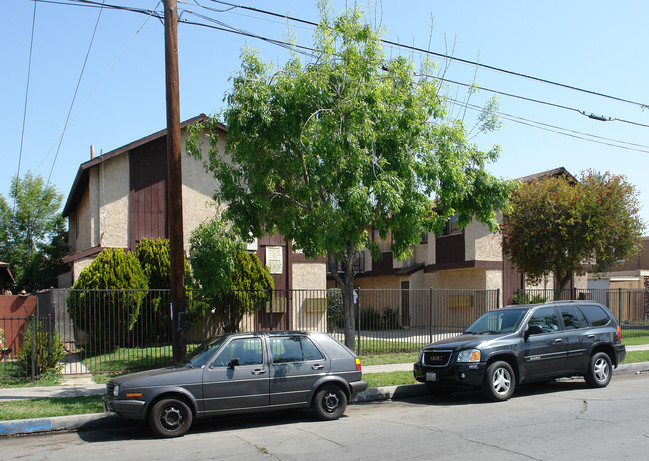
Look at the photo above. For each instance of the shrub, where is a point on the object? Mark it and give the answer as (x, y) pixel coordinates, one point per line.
(335, 312)
(48, 349)
(110, 294)
(526, 298)
(390, 319)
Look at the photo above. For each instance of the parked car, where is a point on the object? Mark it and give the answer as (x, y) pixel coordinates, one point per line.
(522, 344)
(242, 372)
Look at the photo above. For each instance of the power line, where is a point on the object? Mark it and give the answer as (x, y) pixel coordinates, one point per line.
(222, 26)
(29, 73)
(563, 131)
(452, 58)
(74, 97)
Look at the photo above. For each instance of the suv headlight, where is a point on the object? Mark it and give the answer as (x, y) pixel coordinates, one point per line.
(468, 356)
(116, 391)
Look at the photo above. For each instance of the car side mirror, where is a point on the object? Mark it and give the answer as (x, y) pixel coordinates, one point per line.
(235, 362)
(533, 330)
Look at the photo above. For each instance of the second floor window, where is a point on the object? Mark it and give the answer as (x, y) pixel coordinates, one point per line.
(451, 228)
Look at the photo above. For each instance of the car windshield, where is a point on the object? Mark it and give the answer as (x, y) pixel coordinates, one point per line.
(497, 322)
(199, 356)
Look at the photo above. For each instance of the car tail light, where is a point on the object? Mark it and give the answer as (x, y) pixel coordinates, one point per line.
(358, 364)
(619, 333)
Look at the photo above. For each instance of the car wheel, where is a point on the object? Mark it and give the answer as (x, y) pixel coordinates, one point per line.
(330, 402)
(170, 418)
(599, 371)
(499, 382)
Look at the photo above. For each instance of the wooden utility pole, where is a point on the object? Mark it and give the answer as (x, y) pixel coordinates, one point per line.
(174, 182)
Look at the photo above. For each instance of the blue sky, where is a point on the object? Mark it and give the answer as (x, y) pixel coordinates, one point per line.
(594, 45)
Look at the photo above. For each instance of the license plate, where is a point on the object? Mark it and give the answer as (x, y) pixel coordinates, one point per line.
(430, 376)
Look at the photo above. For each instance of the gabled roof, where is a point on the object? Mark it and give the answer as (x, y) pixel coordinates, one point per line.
(561, 171)
(81, 180)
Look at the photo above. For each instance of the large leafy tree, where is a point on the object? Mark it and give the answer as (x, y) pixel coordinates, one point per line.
(556, 226)
(231, 281)
(322, 151)
(32, 232)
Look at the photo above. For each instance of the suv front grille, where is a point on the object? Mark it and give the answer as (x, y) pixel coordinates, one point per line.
(109, 388)
(437, 358)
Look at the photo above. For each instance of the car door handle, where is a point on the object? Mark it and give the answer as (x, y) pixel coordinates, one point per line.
(258, 372)
(558, 340)
(591, 336)
(317, 367)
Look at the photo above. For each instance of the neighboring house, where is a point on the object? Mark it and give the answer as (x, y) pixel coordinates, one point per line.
(120, 197)
(469, 258)
(632, 274)
(6, 279)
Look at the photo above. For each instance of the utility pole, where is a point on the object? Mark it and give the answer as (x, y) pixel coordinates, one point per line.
(174, 182)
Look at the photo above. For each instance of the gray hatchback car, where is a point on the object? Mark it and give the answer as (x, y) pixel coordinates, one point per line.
(241, 372)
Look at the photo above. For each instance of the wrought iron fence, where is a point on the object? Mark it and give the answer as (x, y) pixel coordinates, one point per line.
(117, 331)
(630, 307)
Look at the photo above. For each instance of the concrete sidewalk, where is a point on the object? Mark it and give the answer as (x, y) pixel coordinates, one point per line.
(83, 385)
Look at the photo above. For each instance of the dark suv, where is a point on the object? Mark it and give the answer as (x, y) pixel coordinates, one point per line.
(525, 343)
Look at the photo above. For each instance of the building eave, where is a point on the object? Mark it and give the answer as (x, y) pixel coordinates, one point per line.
(80, 183)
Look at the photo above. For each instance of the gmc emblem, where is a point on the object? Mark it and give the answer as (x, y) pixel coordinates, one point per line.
(435, 358)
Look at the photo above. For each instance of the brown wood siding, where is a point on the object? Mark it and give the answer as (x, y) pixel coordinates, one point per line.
(449, 249)
(512, 281)
(148, 194)
(276, 321)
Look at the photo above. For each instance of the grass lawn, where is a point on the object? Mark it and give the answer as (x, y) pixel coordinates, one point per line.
(43, 408)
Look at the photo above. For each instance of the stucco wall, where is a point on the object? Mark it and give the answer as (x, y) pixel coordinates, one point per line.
(481, 244)
(198, 188)
(112, 184)
(309, 276)
(470, 279)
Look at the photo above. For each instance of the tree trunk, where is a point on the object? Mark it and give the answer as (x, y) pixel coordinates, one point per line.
(563, 282)
(346, 282)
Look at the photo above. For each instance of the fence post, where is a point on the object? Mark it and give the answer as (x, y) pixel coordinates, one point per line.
(619, 297)
(497, 298)
(358, 327)
(34, 346)
(430, 317)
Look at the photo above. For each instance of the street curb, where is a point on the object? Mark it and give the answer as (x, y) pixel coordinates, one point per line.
(93, 421)
(59, 424)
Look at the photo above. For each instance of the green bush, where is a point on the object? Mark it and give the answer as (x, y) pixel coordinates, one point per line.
(48, 349)
(106, 298)
(526, 298)
(335, 313)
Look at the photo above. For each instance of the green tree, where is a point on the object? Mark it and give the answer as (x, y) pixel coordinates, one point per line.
(231, 281)
(322, 151)
(153, 256)
(107, 297)
(556, 226)
(32, 233)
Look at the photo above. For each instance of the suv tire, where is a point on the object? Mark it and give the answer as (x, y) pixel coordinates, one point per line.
(499, 381)
(599, 371)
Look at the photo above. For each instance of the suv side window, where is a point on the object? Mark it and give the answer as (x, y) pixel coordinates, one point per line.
(596, 316)
(286, 349)
(572, 318)
(546, 318)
